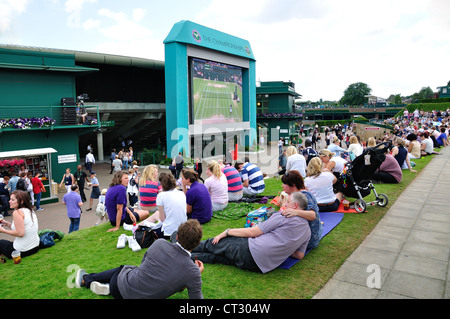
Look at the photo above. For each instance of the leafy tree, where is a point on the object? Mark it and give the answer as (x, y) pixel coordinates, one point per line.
(425, 92)
(397, 99)
(354, 94)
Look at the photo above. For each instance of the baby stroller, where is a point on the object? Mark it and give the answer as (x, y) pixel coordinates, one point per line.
(356, 181)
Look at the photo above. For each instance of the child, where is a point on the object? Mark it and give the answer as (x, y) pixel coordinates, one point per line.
(101, 208)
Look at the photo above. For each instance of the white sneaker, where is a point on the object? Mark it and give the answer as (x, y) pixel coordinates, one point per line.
(99, 288)
(133, 244)
(79, 278)
(122, 241)
(127, 226)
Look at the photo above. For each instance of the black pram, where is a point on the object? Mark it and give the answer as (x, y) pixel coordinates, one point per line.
(356, 181)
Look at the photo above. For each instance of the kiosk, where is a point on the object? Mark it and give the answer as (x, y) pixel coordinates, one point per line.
(33, 160)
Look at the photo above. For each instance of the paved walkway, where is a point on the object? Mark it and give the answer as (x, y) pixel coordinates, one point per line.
(409, 248)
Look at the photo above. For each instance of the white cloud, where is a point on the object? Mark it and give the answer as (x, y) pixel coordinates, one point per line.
(125, 35)
(91, 24)
(74, 8)
(9, 11)
(139, 14)
(324, 46)
(123, 27)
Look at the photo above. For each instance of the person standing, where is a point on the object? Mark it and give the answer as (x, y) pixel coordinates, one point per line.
(112, 158)
(95, 193)
(179, 161)
(68, 180)
(90, 160)
(73, 202)
(117, 163)
(38, 188)
(80, 177)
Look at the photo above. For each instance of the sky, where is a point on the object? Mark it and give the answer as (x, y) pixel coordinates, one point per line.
(323, 46)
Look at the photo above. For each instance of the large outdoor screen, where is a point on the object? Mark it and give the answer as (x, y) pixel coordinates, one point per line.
(216, 92)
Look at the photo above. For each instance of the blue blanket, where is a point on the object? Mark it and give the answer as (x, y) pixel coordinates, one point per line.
(329, 220)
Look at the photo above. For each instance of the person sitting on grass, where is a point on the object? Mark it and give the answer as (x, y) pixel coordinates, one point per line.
(171, 205)
(198, 200)
(293, 182)
(217, 185)
(252, 178)
(320, 184)
(24, 227)
(166, 268)
(235, 188)
(263, 247)
(116, 203)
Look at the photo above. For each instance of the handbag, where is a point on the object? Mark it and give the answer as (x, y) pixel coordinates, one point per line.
(255, 217)
(145, 236)
(46, 240)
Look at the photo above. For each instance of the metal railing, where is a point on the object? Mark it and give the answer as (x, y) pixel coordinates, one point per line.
(41, 117)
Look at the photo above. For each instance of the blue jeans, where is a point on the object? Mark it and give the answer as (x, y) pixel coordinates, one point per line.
(74, 224)
(37, 198)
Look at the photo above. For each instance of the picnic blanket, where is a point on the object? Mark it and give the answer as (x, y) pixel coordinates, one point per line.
(329, 220)
(342, 210)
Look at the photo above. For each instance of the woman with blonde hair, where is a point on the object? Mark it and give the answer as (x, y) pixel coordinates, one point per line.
(355, 147)
(371, 142)
(217, 186)
(149, 187)
(332, 163)
(295, 161)
(320, 184)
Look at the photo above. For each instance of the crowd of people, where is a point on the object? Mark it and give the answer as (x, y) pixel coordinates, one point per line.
(176, 204)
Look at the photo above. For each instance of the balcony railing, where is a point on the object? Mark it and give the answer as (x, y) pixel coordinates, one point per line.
(48, 117)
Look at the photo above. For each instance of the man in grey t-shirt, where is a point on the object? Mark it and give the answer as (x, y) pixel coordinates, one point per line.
(262, 247)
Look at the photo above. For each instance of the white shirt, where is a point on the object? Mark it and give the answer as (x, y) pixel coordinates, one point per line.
(428, 145)
(321, 187)
(296, 162)
(339, 164)
(174, 203)
(31, 239)
(356, 148)
(90, 158)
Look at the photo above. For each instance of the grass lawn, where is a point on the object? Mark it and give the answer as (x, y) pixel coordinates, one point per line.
(49, 274)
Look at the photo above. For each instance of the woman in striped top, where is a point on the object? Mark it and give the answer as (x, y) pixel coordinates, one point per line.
(149, 187)
(235, 189)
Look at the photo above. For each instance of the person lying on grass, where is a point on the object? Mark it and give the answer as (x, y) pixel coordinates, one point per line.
(165, 269)
(263, 247)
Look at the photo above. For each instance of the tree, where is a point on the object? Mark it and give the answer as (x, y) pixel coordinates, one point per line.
(424, 93)
(354, 94)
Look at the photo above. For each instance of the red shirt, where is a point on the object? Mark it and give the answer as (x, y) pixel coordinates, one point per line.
(37, 185)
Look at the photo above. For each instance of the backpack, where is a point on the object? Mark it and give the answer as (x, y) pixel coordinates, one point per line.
(21, 185)
(100, 211)
(309, 153)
